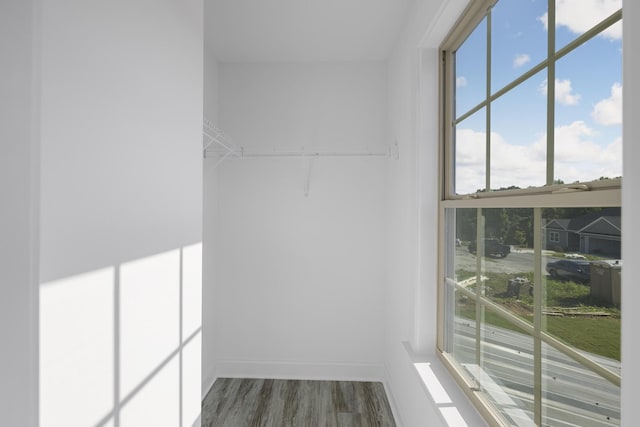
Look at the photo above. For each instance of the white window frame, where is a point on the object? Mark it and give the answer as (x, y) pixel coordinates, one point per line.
(554, 236)
(591, 194)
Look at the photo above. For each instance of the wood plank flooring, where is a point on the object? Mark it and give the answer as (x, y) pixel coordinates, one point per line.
(237, 402)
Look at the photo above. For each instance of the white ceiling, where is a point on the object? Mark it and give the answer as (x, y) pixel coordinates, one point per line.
(303, 30)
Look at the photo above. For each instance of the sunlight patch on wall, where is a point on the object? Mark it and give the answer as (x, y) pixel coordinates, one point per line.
(121, 346)
(77, 349)
(191, 289)
(149, 315)
(191, 381)
(158, 402)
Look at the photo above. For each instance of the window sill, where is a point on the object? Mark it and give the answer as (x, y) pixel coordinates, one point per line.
(439, 386)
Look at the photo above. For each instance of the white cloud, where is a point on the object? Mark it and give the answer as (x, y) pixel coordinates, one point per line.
(580, 15)
(567, 140)
(564, 92)
(461, 81)
(510, 164)
(577, 158)
(520, 60)
(470, 161)
(608, 112)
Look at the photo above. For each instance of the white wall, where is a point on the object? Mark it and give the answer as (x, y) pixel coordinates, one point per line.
(209, 238)
(18, 214)
(121, 205)
(300, 278)
(411, 290)
(210, 85)
(412, 233)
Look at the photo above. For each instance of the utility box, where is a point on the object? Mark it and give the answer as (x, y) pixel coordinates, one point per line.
(514, 286)
(606, 281)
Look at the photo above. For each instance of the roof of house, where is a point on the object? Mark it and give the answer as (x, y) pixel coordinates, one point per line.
(558, 224)
(604, 225)
(615, 220)
(606, 218)
(611, 214)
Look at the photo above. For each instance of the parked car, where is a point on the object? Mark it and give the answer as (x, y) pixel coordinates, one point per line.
(492, 247)
(566, 269)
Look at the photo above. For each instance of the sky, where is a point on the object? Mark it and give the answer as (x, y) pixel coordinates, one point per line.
(588, 99)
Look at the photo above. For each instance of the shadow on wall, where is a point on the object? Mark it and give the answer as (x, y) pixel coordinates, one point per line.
(120, 346)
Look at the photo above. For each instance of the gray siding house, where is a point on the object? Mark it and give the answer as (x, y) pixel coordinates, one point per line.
(592, 233)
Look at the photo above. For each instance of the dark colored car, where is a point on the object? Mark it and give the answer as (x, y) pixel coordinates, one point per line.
(492, 247)
(565, 269)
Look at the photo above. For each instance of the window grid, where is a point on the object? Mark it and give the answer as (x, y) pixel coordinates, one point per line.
(549, 64)
(593, 194)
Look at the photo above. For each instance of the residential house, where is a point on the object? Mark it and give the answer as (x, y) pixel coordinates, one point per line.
(592, 233)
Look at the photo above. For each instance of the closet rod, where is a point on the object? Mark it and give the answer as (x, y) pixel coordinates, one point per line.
(245, 153)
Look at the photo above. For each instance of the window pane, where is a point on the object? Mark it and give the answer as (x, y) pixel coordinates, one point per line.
(471, 70)
(581, 308)
(506, 370)
(491, 286)
(517, 39)
(575, 17)
(464, 330)
(506, 261)
(471, 154)
(572, 395)
(460, 270)
(588, 113)
(495, 353)
(518, 142)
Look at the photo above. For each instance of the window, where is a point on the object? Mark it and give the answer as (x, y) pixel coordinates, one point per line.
(529, 319)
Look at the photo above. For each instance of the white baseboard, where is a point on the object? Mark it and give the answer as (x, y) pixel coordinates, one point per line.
(207, 384)
(301, 370)
(391, 398)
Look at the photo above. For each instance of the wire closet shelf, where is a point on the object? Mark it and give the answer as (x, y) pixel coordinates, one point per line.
(218, 145)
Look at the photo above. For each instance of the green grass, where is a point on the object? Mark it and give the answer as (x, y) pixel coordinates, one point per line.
(582, 326)
(599, 335)
(468, 311)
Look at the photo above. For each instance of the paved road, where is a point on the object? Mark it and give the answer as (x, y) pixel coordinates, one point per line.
(515, 262)
(573, 396)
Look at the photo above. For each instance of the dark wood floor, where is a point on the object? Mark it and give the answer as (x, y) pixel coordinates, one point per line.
(258, 402)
